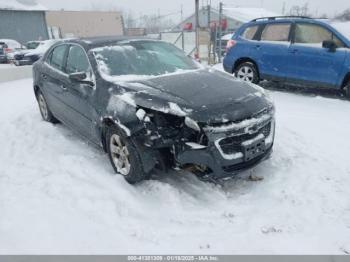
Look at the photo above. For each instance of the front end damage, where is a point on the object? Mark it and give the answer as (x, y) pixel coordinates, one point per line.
(233, 147)
(212, 151)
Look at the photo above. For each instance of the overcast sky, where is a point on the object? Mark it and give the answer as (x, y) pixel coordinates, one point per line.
(169, 6)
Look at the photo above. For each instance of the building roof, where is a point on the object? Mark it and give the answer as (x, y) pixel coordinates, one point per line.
(238, 14)
(246, 14)
(21, 5)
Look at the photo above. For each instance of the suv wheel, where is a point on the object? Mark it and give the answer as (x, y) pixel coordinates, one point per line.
(44, 109)
(347, 90)
(247, 72)
(124, 156)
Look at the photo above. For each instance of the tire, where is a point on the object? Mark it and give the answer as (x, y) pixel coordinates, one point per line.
(347, 90)
(45, 112)
(124, 156)
(247, 72)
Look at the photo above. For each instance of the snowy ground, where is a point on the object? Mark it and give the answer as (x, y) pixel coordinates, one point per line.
(58, 195)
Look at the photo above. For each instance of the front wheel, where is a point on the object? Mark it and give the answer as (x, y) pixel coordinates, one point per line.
(124, 156)
(347, 90)
(247, 72)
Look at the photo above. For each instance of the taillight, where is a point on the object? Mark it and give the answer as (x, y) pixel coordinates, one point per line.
(230, 44)
(8, 50)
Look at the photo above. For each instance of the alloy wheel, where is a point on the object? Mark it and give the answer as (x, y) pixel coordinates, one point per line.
(246, 73)
(120, 155)
(43, 107)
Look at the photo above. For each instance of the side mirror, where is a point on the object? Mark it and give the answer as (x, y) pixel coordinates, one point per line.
(80, 77)
(329, 44)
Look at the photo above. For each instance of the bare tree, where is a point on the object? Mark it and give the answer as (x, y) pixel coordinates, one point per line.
(130, 20)
(154, 23)
(300, 10)
(344, 16)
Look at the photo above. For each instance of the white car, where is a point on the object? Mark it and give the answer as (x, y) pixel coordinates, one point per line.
(29, 57)
(10, 47)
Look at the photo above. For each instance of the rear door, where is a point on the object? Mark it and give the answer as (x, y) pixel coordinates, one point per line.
(315, 64)
(272, 51)
(52, 79)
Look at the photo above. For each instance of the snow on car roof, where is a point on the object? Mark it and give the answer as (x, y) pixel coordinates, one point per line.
(100, 41)
(11, 43)
(24, 5)
(246, 14)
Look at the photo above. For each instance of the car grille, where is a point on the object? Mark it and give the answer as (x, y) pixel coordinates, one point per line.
(231, 145)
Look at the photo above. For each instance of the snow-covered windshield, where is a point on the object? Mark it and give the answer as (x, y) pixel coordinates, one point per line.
(343, 28)
(146, 58)
(32, 45)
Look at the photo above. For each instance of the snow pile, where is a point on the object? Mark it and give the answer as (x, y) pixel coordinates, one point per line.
(59, 195)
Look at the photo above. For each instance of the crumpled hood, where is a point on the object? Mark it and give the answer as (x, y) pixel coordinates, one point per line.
(207, 96)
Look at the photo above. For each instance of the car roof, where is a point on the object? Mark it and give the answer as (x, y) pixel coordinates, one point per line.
(93, 42)
(281, 19)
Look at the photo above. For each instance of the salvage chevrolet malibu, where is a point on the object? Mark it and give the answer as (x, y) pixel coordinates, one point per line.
(150, 106)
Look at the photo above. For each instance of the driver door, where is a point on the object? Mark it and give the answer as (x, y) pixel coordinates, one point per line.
(314, 63)
(79, 95)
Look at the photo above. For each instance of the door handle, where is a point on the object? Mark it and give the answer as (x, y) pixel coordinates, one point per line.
(64, 88)
(257, 46)
(294, 51)
(44, 76)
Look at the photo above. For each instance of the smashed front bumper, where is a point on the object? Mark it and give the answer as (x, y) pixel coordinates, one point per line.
(230, 151)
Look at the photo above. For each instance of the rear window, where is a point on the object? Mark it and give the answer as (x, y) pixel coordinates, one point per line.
(250, 32)
(32, 45)
(276, 32)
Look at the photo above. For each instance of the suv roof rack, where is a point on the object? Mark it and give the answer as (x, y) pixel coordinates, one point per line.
(280, 17)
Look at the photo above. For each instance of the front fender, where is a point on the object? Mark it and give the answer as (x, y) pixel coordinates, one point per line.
(346, 70)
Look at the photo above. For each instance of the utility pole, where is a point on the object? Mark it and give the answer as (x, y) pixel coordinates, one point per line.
(210, 45)
(182, 13)
(220, 29)
(197, 28)
(284, 8)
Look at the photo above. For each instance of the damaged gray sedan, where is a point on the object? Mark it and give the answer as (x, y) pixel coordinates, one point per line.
(150, 106)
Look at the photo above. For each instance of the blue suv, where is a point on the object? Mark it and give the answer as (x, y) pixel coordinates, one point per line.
(298, 50)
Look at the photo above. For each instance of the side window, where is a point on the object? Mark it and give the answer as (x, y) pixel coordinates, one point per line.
(77, 60)
(314, 34)
(276, 32)
(56, 58)
(250, 32)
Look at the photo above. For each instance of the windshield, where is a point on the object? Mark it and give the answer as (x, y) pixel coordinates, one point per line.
(32, 45)
(343, 28)
(149, 58)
